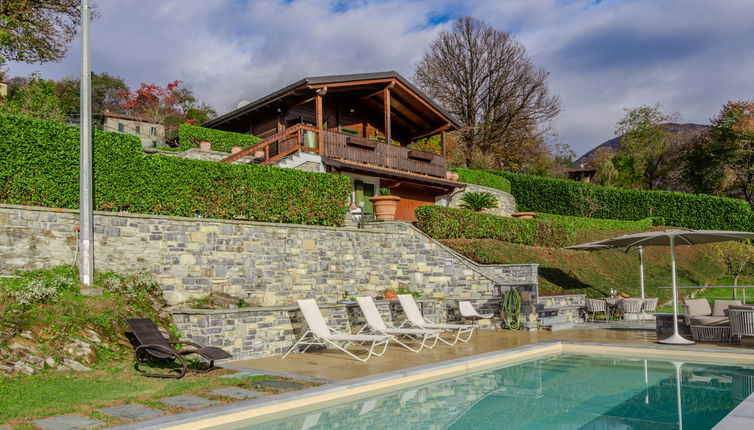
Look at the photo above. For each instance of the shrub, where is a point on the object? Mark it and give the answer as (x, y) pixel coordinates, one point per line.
(572, 198)
(449, 223)
(478, 201)
(603, 224)
(39, 167)
(485, 179)
(189, 136)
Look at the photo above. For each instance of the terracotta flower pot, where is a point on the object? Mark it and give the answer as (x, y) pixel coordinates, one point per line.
(390, 295)
(385, 207)
(524, 215)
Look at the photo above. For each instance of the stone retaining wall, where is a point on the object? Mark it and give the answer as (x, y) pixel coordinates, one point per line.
(266, 264)
(567, 305)
(506, 203)
(261, 332)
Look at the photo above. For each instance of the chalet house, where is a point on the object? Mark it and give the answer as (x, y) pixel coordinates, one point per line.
(358, 125)
(151, 135)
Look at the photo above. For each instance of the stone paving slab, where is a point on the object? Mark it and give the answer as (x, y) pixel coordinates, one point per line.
(277, 384)
(240, 375)
(235, 393)
(131, 411)
(188, 402)
(67, 422)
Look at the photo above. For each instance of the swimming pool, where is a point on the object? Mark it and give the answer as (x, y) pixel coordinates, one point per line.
(562, 391)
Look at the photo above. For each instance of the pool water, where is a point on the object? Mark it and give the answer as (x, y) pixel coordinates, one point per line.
(566, 391)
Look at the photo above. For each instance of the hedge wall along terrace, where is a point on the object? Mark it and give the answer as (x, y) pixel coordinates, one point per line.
(440, 222)
(562, 197)
(485, 179)
(189, 136)
(39, 167)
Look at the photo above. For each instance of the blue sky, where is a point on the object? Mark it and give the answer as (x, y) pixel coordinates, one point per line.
(689, 55)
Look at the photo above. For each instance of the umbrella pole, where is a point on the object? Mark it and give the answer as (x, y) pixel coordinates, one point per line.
(641, 271)
(675, 338)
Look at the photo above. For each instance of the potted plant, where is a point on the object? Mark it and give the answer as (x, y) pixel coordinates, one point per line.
(389, 294)
(385, 205)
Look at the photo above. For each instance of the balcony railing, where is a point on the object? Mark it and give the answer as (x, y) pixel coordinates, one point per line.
(368, 151)
(345, 147)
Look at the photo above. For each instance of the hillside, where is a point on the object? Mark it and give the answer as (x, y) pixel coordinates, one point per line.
(596, 273)
(682, 132)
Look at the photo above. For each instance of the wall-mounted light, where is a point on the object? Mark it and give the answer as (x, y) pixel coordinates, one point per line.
(352, 110)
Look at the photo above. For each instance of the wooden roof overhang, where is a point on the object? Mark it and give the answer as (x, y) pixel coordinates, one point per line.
(442, 186)
(410, 109)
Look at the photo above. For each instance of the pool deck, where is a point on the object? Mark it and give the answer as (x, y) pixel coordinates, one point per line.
(332, 365)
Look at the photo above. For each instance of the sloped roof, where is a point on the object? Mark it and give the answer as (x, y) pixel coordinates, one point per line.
(322, 80)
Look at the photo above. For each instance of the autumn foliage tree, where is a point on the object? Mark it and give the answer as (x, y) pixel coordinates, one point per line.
(734, 131)
(170, 105)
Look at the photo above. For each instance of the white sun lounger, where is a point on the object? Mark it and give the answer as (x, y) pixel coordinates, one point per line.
(319, 333)
(415, 318)
(376, 324)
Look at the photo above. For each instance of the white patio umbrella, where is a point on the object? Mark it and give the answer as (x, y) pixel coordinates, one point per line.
(593, 246)
(672, 238)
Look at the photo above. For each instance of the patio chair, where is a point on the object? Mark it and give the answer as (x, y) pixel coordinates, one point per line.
(468, 312)
(630, 306)
(706, 324)
(153, 343)
(414, 317)
(594, 306)
(319, 333)
(649, 305)
(376, 324)
(741, 321)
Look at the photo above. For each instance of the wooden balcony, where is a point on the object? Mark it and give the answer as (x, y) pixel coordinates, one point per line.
(345, 147)
(368, 151)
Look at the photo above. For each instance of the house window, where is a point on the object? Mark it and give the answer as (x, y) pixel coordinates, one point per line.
(154, 144)
(121, 127)
(137, 129)
(153, 131)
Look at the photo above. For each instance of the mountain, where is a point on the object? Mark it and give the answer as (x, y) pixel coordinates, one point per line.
(682, 132)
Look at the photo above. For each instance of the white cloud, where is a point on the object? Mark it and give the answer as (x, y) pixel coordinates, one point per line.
(602, 56)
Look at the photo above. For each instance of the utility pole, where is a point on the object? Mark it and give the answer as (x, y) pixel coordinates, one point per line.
(86, 217)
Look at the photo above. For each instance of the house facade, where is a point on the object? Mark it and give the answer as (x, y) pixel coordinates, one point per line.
(151, 135)
(358, 125)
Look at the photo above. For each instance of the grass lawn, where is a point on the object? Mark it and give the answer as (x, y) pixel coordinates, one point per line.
(51, 393)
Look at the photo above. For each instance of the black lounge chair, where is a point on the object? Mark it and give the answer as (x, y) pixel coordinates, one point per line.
(153, 343)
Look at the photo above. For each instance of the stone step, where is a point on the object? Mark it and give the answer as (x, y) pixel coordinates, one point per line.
(554, 319)
(558, 326)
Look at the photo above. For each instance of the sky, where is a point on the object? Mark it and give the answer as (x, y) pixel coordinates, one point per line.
(691, 56)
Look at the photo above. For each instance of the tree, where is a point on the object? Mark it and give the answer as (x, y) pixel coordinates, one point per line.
(702, 165)
(602, 162)
(485, 78)
(734, 131)
(735, 256)
(105, 93)
(646, 142)
(37, 31)
(36, 99)
(171, 105)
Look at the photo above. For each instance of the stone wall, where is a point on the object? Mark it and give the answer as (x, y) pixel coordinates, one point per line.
(506, 203)
(264, 331)
(268, 265)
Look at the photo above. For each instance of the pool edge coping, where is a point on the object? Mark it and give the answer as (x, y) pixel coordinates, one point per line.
(234, 411)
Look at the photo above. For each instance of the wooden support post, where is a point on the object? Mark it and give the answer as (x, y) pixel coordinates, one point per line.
(318, 121)
(442, 142)
(386, 98)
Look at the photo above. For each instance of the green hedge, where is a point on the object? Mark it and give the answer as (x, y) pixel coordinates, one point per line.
(189, 136)
(562, 197)
(39, 167)
(480, 177)
(441, 222)
(581, 223)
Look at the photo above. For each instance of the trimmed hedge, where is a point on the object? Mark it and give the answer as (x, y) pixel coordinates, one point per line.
(441, 222)
(189, 136)
(563, 197)
(603, 224)
(485, 179)
(40, 167)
